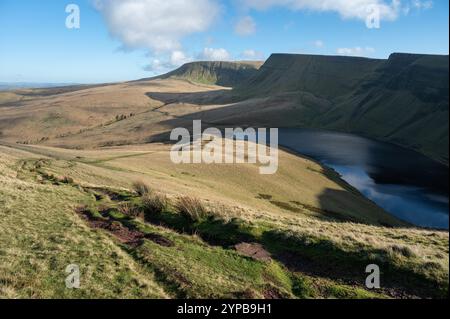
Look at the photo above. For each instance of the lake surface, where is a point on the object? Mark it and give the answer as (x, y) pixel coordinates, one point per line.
(405, 183)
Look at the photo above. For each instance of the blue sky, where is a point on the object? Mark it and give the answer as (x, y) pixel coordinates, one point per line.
(129, 39)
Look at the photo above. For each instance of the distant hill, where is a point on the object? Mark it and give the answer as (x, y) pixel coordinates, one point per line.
(7, 86)
(227, 74)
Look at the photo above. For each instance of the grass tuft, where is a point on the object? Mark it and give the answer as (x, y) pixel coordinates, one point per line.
(129, 209)
(154, 203)
(404, 251)
(141, 188)
(192, 208)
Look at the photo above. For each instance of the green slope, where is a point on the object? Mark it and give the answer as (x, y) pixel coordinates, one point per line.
(152, 246)
(325, 76)
(220, 73)
(403, 100)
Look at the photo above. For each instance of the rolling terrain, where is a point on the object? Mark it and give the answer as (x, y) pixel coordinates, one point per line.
(402, 100)
(300, 234)
(86, 178)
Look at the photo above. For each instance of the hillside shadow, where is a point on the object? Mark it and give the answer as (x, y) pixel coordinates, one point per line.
(220, 117)
(200, 98)
(324, 258)
(333, 202)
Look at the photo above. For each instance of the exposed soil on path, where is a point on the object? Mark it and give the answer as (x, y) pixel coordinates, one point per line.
(125, 235)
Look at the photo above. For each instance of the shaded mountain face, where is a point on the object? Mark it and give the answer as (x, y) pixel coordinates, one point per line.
(325, 76)
(403, 100)
(229, 74)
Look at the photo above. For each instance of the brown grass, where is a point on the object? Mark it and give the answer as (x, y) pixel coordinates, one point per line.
(141, 188)
(404, 251)
(155, 203)
(129, 209)
(192, 208)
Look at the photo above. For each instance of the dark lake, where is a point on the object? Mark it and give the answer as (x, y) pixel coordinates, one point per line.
(405, 183)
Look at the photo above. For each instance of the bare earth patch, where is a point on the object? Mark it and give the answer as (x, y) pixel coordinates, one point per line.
(125, 235)
(253, 250)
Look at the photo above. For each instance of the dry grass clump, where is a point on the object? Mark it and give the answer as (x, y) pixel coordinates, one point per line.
(192, 208)
(155, 203)
(223, 212)
(141, 188)
(129, 209)
(404, 251)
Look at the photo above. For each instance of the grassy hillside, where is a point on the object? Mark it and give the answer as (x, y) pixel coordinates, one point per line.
(40, 237)
(405, 101)
(83, 181)
(325, 76)
(300, 217)
(64, 206)
(84, 116)
(228, 74)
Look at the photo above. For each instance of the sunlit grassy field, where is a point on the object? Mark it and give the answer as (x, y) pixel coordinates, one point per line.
(312, 250)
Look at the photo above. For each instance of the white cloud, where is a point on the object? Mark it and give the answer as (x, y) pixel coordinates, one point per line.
(157, 25)
(319, 44)
(168, 62)
(417, 5)
(245, 26)
(358, 9)
(156, 65)
(347, 9)
(252, 55)
(176, 59)
(422, 4)
(179, 58)
(211, 54)
(356, 51)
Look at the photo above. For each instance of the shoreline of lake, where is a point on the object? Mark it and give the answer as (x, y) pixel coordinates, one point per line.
(404, 194)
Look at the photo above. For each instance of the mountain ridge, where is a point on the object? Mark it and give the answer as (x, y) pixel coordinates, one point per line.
(223, 73)
(403, 99)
